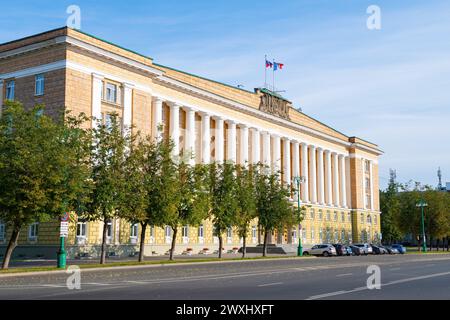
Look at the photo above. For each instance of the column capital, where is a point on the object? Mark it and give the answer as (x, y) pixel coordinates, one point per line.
(189, 109)
(204, 114)
(127, 85)
(173, 104)
(311, 146)
(231, 122)
(327, 152)
(217, 118)
(320, 149)
(286, 139)
(341, 156)
(275, 135)
(98, 76)
(157, 99)
(304, 144)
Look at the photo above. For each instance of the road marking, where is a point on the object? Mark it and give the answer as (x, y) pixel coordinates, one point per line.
(96, 284)
(394, 269)
(52, 286)
(344, 275)
(337, 293)
(270, 284)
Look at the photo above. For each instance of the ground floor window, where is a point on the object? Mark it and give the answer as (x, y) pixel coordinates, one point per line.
(81, 229)
(33, 231)
(2, 231)
(254, 232)
(201, 231)
(185, 234)
(313, 236)
(134, 230)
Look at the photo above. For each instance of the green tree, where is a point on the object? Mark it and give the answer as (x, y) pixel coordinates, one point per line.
(245, 194)
(274, 209)
(42, 168)
(108, 161)
(390, 207)
(224, 203)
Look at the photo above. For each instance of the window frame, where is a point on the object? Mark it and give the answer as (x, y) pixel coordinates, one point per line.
(2, 231)
(10, 88)
(82, 225)
(39, 78)
(33, 231)
(108, 90)
(134, 230)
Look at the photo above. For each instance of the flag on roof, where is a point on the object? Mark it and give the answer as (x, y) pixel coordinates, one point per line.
(277, 65)
(269, 64)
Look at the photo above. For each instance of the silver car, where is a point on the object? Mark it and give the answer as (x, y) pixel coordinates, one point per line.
(367, 249)
(325, 250)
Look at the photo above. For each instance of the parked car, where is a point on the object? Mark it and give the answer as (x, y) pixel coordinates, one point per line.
(340, 249)
(400, 248)
(365, 247)
(357, 251)
(391, 250)
(325, 250)
(349, 251)
(378, 249)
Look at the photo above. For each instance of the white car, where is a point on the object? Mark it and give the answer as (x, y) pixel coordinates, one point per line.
(325, 250)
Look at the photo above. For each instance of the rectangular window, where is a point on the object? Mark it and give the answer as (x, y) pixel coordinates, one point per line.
(313, 236)
(335, 216)
(342, 217)
(134, 230)
(328, 216)
(200, 231)
(2, 231)
(185, 231)
(229, 232)
(10, 90)
(312, 214)
(111, 92)
(168, 231)
(109, 230)
(33, 231)
(254, 235)
(39, 85)
(152, 231)
(367, 185)
(375, 220)
(320, 215)
(349, 217)
(81, 229)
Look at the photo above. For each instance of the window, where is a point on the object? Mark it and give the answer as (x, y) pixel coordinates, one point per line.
(108, 121)
(336, 236)
(304, 235)
(342, 216)
(39, 85)
(10, 90)
(335, 216)
(312, 214)
(313, 236)
(328, 216)
(185, 231)
(33, 231)
(2, 231)
(362, 218)
(369, 219)
(168, 231)
(200, 231)
(81, 229)
(254, 234)
(375, 219)
(321, 234)
(111, 92)
(152, 231)
(343, 235)
(229, 232)
(320, 215)
(349, 217)
(109, 229)
(134, 230)
(367, 165)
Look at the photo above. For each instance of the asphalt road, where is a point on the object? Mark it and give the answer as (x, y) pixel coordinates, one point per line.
(402, 277)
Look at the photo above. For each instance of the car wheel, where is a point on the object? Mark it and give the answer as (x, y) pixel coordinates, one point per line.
(326, 254)
(306, 253)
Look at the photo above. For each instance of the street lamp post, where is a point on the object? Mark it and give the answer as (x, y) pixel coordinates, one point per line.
(298, 181)
(422, 204)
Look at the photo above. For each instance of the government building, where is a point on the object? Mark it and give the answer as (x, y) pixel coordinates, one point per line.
(67, 68)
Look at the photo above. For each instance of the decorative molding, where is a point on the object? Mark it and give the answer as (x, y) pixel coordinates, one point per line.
(274, 105)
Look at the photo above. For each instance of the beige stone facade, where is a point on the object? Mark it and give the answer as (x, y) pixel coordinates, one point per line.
(215, 121)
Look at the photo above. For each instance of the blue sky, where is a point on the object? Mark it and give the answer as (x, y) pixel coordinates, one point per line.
(388, 86)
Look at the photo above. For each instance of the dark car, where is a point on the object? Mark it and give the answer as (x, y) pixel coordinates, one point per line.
(357, 251)
(391, 250)
(378, 249)
(340, 249)
(401, 249)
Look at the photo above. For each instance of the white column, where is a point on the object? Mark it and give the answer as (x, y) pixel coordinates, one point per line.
(312, 173)
(305, 185)
(157, 117)
(343, 181)
(287, 161)
(256, 143)
(371, 184)
(335, 180)
(296, 163)
(348, 182)
(363, 165)
(243, 155)
(127, 107)
(231, 141)
(219, 140)
(328, 190)
(174, 127)
(320, 176)
(266, 148)
(276, 153)
(206, 138)
(1, 97)
(96, 98)
(189, 142)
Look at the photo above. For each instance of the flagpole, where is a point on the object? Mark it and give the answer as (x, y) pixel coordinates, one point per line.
(273, 77)
(265, 71)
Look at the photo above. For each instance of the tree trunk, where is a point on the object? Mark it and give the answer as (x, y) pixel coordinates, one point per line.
(244, 246)
(265, 243)
(431, 243)
(220, 246)
(437, 244)
(448, 244)
(105, 233)
(174, 240)
(142, 243)
(12, 244)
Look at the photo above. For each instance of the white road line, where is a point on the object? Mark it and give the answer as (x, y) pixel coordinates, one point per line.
(344, 275)
(394, 269)
(96, 284)
(337, 293)
(270, 284)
